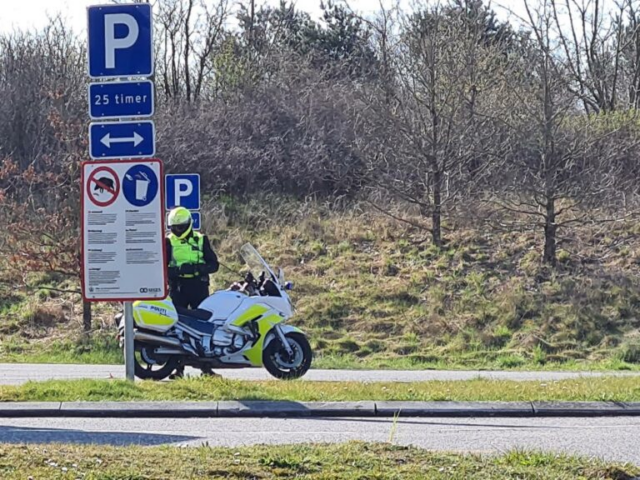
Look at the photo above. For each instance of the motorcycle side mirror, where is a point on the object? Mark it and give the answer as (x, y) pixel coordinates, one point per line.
(280, 276)
(288, 286)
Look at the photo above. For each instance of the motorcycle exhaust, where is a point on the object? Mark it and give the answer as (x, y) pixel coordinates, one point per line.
(157, 340)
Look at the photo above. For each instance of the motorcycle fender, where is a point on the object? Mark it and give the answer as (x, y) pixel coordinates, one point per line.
(285, 329)
(265, 325)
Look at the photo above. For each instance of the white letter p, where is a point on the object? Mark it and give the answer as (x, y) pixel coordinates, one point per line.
(111, 43)
(183, 188)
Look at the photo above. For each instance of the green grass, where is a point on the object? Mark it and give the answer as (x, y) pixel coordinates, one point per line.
(202, 388)
(348, 461)
(100, 347)
(99, 350)
(475, 361)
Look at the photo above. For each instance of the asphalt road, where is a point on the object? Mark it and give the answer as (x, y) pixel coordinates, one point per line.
(614, 439)
(15, 374)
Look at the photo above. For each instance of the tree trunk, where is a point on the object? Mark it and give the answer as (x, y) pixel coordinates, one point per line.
(550, 229)
(251, 26)
(436, 214)
(86, 316)
(187, 46)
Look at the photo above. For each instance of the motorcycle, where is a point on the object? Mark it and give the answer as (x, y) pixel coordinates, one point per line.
(241, 327)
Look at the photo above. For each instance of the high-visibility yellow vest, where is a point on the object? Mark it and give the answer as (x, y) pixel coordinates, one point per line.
(188, 250)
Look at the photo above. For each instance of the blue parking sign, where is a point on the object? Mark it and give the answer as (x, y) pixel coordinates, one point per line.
(183, 190)
(195, 216)
(120, 40)
(196, 220)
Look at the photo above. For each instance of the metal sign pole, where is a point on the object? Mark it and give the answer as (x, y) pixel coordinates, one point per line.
(128, 341)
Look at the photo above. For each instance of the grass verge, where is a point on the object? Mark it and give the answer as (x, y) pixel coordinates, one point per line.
(354, 460)
(351, 362)
(202, 388)
(100, 349)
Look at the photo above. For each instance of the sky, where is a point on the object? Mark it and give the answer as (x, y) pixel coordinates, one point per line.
(29, 14)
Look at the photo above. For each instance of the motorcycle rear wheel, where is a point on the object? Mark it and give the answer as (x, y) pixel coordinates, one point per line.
(145, 361)
(277, 362)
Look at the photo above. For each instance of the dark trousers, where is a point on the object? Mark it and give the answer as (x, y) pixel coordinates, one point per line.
(188, 292)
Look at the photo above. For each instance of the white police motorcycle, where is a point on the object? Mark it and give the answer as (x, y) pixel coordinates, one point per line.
(242, 327)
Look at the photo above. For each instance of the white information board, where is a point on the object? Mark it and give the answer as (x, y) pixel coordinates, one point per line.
(123, 254)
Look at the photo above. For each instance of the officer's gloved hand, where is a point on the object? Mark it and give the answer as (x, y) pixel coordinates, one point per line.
(187, 269)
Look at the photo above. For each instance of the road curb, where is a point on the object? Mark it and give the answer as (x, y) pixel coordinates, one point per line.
(30, 409)
(290, 409)
(583, 409)
(295, 409)
(454, 409)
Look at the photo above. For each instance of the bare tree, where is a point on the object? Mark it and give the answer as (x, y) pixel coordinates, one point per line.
(593, 43)
(425, 140)
(39, 71)
(561, 159)
(190, 33)
(630, 53)
(383, 26)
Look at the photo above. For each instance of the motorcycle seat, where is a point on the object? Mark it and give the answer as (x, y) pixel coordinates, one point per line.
(196, 313)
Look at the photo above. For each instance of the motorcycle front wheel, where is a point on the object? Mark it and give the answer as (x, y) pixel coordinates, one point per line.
(151, 366)
(283, 366)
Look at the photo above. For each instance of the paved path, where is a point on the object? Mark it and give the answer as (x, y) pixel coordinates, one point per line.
(615, 439)
(15, 374)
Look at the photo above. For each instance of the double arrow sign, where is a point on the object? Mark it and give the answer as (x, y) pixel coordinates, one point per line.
(108, 140)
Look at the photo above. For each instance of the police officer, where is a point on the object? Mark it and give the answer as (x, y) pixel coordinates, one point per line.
(190, 261)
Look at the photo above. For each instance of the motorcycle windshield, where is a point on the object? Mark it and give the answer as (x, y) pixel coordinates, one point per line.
(255, 262)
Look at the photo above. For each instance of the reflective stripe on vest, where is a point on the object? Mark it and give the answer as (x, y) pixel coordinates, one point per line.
(189, 250)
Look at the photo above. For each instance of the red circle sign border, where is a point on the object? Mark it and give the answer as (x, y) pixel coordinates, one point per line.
(117, 189)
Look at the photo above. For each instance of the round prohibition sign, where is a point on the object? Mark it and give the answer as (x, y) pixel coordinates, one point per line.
(103, 183)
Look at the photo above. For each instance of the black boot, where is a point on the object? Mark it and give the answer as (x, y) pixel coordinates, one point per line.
(179, 373)
(208, 372)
